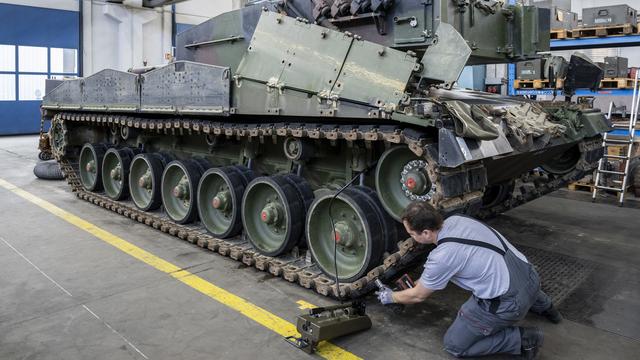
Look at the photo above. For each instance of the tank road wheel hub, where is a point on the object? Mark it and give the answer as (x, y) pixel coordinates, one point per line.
(90, 163)
(358, 234)
(179, 180)
(219, 196)
(145, 180)
(115, 172)
(222, 200)
(272, 214)
(91, 166)
(273, 211)
(345, 235)
(181, 191)
(402, 177)
(145, 175)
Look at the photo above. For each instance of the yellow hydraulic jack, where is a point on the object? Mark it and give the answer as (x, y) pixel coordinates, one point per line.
(326, 323)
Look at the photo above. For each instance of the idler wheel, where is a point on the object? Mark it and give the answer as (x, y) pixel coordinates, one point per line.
(115, 172)
(179, 185)
(563, 163)
(273, 212)
(359, 234)
(58, 138)
(497, 193)
(219, 199)
(145, 177)
(401, 177)
(90, 164)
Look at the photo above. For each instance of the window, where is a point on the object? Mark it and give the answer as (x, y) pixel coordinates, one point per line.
(32, 59)
(31, 87)
(7, 58)
(64, 61)
(25, 81)
(7, 87)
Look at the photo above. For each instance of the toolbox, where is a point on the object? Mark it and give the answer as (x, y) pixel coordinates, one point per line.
(530, 69)
(563, 19)
(616, 67)
(609, 15)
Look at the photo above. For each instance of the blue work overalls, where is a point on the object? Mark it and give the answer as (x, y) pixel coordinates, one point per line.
(485, 326)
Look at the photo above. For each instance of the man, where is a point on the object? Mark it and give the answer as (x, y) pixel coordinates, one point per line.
(476, 257)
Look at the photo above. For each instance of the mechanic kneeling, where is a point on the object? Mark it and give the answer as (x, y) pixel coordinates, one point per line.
(476, 257)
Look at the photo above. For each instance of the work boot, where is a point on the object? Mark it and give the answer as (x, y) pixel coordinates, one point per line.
(532, 338)
(552, 314)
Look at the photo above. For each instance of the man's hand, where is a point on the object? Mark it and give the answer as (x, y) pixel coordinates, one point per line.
(416, 294)
(385, 295)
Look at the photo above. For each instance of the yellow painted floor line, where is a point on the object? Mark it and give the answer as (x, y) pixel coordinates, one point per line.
(303, 305)
(244, 307)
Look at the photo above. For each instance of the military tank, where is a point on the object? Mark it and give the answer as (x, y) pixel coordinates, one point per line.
(290, 135)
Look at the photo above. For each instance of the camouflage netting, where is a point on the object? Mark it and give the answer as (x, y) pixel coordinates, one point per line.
(472, 121)
(570, 119)
(530, 120)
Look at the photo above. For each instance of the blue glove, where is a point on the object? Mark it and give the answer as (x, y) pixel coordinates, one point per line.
(384, 295)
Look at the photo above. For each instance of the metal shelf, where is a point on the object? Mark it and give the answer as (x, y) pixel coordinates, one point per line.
(623, 132)
(579, 92)
(576, 44)
(592, 43)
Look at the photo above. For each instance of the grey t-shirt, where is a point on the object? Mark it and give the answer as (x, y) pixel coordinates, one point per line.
(480, 270)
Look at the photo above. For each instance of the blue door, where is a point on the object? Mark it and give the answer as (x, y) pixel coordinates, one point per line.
(35, 44)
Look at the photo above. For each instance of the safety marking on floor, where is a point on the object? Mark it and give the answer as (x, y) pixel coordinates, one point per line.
(244, 307)
(305, 305)
(106, 324)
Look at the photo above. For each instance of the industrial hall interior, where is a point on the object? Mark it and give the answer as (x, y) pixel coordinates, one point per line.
(319, 179)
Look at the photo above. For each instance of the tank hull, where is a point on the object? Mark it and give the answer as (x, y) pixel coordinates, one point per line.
(294, 147)
(193, 138)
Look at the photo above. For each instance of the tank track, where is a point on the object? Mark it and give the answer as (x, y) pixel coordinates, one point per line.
(293, 267)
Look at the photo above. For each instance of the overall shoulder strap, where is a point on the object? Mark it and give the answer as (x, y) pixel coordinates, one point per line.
(492, 230)
(473, 243)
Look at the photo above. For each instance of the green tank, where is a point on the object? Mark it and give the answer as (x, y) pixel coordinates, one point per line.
(290, 135)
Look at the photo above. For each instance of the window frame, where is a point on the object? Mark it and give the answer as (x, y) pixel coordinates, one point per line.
(48, 73)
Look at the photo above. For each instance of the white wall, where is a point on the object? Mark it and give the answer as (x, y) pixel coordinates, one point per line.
(71, 5)
(120, 37)
(196, 11)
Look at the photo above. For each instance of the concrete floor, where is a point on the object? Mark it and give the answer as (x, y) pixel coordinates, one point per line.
(68, 295)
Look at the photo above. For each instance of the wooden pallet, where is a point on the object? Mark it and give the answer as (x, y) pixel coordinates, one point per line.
(536, 84)
(559, 34)
(602, 31)
(621, 150)
(623, 124)
(616, 83)
(581, 186)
